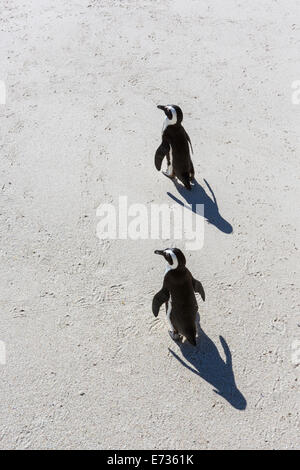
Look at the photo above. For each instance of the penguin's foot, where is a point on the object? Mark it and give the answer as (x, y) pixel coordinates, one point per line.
(174, 336)
(168, 176)
(169, 172)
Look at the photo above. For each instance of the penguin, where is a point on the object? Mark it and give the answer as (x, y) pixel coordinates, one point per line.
(178, 293)
(177, 141)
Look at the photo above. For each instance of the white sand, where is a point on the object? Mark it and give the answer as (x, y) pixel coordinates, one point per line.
(87, 364)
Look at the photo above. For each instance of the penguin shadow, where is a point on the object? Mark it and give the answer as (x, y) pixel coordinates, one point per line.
(198, 195)
(205, 361)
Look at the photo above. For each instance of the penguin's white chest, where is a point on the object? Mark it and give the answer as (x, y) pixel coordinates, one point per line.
(170, 122)
(170, 267)
(169, 310)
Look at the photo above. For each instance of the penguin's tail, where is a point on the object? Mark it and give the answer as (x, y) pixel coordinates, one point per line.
(192, 340)
(185, 178)
(191, 336)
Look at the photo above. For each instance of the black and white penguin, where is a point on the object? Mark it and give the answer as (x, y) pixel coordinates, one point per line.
(175, 140)
(178, 293)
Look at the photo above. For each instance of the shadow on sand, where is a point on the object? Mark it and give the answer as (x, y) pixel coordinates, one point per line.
(204, 360)
(198, 196)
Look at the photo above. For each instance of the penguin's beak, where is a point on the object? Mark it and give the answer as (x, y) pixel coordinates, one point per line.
(163, 108)
(159, 252)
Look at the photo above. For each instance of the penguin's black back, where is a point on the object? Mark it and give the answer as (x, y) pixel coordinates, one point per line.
(177, 138)
(184, 303)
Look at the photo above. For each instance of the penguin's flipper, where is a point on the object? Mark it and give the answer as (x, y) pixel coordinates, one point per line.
(199, 288)
(189, 141)
(190, 334)
(162, 151)
(160, 298)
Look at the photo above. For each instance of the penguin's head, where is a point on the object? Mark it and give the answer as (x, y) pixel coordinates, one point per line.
(173, 113)
(174, 257)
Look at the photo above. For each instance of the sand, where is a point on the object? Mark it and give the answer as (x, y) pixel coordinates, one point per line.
(87, 364)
